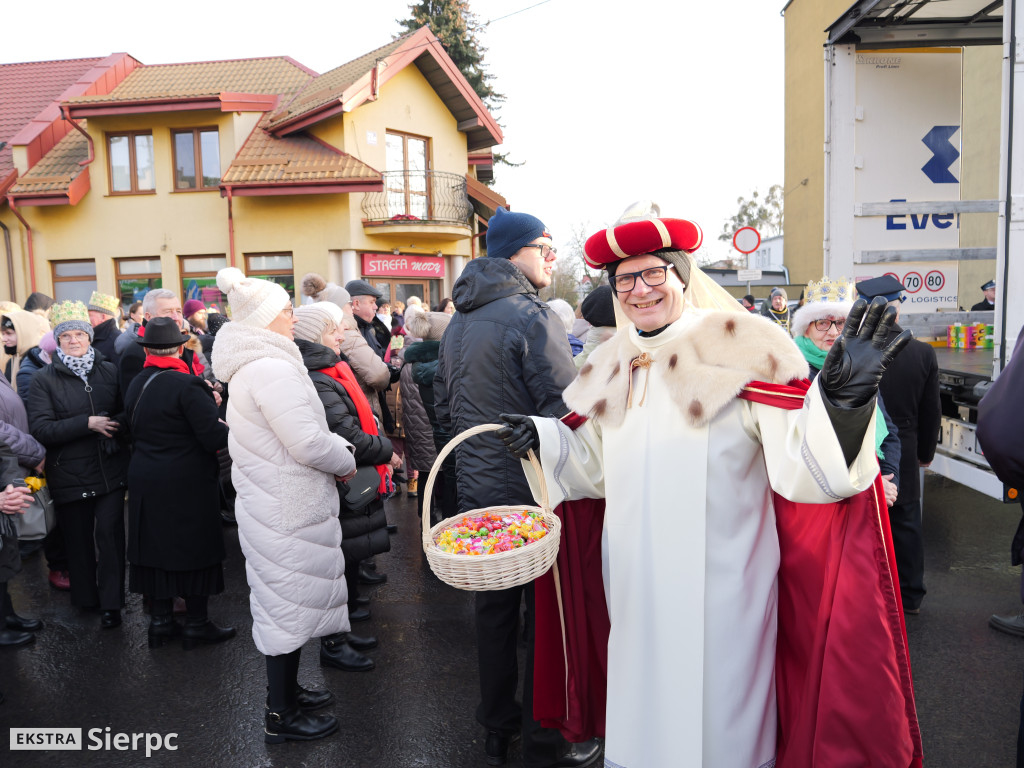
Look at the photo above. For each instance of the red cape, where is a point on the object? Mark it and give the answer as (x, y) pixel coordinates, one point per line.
(844, 689)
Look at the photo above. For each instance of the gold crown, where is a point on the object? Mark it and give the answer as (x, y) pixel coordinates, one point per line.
(829, 291)
(66, 311)
(104, 303)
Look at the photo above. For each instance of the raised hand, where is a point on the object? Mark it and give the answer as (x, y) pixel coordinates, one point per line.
(519, 434)
(855, 364)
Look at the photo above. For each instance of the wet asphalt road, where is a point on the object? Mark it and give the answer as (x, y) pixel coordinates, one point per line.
(416, 707)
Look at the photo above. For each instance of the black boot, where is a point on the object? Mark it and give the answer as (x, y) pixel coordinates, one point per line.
(362, 613)
(359, 642)
(296, 725)
(207, 633)
(21, 624)
(366, 576)
(162, 629)
(306, 699)
(9, 638)
(338, 653)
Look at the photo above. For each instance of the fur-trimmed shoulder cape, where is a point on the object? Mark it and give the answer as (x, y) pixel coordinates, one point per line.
(712, 357)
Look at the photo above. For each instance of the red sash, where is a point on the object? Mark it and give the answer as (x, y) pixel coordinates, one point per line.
(842, 665)
(342, 373)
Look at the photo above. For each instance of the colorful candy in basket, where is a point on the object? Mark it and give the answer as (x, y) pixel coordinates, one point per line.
(490, 533)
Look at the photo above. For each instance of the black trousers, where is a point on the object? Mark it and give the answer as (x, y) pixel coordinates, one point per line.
(55, 550)
(908, 541)
(91, 526)
(497, 636)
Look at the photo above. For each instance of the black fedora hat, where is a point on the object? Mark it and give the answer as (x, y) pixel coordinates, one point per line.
(163, 333)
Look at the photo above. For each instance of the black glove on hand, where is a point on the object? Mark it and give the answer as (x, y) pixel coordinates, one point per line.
(855, 364)
(224, 460)
(519, 434)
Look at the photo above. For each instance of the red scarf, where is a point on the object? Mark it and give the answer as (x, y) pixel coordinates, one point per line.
(196, 369)
(169, 363)
(342, 374)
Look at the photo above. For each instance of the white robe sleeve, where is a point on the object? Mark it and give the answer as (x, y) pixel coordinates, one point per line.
(570, 461)
(804, 459)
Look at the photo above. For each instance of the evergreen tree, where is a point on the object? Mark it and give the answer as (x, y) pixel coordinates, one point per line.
(455, 27)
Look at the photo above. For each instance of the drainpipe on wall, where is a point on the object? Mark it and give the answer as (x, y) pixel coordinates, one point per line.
(31, 249)
(10, 258)
(81, 130)
(231, 227)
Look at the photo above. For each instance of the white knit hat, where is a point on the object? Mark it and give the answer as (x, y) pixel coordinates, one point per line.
(313, 320)
(254, 302)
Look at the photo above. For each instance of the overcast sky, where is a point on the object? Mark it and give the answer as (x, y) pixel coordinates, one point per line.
(607, 102)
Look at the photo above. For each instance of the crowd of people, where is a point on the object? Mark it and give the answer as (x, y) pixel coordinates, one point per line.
(712, 645)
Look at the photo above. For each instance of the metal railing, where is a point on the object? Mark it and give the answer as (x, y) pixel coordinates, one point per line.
(408, 196)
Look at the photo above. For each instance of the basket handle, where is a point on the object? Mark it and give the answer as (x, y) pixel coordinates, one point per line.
(465, 435)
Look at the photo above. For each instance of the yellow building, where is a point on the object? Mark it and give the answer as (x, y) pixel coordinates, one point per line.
(808, 24)
(138, 176)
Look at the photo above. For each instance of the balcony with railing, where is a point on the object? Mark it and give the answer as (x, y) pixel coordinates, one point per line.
(424, 203)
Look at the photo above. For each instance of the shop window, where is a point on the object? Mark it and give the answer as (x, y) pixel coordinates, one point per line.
(196, 159)
(276, 267)
(136, 278)
(199, 280)
(74, 280)
(130, 160)
(406, 175)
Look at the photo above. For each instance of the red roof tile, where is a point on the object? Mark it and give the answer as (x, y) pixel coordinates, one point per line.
(276, 75)
(298, 159)
(26, 90)
(331, 85)
(55, 172)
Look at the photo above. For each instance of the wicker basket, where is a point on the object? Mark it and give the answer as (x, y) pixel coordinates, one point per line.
(500, 570)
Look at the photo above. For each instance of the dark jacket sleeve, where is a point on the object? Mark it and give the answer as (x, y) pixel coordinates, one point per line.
(130, 364)
(442, 411)
(547, 364)
(26, 372)
(201, 411)
(342, 420)
(892, 450)
(929, 414)
(44, 424)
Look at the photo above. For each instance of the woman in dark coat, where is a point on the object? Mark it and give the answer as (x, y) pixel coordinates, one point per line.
(364, 533)
(75, 410)
(175, 539)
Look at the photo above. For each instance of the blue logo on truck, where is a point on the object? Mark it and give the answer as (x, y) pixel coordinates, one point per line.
(944, 154)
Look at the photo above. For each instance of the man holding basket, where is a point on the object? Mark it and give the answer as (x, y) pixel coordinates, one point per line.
(505, 350)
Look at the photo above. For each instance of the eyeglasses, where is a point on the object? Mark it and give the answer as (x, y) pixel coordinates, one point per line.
(545, 250)
(824, 324)
(624, 282)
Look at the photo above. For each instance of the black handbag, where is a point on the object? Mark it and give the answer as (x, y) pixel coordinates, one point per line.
(358, 491)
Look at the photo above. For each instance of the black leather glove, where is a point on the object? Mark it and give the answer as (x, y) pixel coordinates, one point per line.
(519, 434)
(854, 366)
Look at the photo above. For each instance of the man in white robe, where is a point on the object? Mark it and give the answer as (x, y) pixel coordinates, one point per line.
(690, 551)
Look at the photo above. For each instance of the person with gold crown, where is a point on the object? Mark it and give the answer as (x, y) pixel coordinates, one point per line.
(816, 327)
(696, 425)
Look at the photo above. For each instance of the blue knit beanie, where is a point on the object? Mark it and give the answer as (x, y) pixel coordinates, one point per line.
(507, 232)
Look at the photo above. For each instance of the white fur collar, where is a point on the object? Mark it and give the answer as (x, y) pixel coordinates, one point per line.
(706, 358)
(238, 345)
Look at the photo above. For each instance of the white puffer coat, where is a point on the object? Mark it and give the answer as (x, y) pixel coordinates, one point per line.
(284, 462)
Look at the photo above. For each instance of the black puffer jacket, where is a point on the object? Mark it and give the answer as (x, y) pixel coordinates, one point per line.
(504, 351)
(80, 463)
(364, 533)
